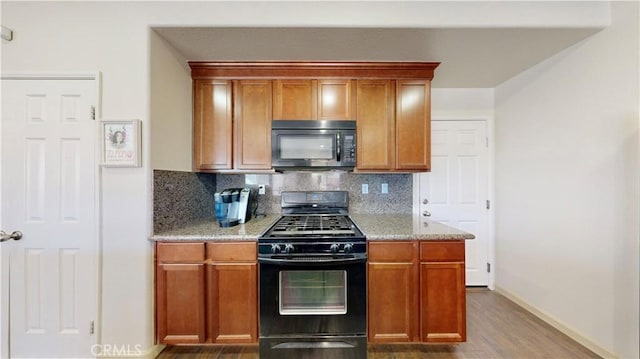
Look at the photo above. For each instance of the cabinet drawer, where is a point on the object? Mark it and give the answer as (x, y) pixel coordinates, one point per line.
(442, 251)
(180, 252)
(232, 251)
(392, 251)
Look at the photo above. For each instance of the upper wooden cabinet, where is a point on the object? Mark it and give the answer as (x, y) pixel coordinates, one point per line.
(212, 124)
(393, 125)
(235, 102)
(294, 100)
(252, 119)
(227, 137)
(301, 99)
(375, 149)
(413, 125)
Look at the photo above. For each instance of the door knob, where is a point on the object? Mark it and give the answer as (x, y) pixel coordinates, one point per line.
(16, 236)
(426, 214)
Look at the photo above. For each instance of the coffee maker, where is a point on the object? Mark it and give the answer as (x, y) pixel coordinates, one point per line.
(234, 206)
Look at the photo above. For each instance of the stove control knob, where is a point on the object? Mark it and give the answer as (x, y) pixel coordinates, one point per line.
(288, 248)
(275, 248)
(335, 248)
(348, 248)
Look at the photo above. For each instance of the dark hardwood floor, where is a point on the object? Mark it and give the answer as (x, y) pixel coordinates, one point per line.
(496, 328)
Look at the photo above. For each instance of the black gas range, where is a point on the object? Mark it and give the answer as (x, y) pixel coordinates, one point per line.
(313, 280)
(313, 223)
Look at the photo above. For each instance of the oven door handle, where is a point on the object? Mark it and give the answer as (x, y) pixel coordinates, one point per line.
(303, 262)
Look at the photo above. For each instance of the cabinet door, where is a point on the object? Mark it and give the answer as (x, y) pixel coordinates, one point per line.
(212, 119)
(180, 311)
(252, 131)
(413, 125)
(443, 291)
(295, 100)
(392, 292)
(443, 302)
(336, 100)
(232, 302)
(232, 297)
(375, 125)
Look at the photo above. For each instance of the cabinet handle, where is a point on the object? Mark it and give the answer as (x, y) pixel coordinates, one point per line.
(338, 147)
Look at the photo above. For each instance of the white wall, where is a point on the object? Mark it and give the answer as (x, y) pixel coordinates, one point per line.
(462, 103)
(567, 186)
(67, 37)
(171, 105)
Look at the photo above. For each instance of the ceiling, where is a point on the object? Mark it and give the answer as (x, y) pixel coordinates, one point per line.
(470, 58)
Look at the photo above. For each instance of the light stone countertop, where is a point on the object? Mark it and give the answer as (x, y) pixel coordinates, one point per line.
(375, 227)
(209, 230)
(407, 227)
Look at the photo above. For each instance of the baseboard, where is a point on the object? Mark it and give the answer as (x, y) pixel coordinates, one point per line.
(155, 350)
(558, 324)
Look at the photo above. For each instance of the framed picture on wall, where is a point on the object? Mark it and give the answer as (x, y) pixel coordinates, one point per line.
(121, 143)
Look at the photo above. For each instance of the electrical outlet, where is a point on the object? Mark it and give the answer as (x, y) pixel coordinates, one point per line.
(365, 188)
(384, 188)
(261, 189)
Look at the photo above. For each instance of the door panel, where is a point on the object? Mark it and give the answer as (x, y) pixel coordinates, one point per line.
(457, 188)
(49, 193)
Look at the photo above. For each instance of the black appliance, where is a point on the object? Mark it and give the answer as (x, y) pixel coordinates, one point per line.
(300, 144)
(235, 206)
(313, 280)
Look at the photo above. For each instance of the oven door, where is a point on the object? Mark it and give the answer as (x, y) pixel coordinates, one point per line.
(312, 297)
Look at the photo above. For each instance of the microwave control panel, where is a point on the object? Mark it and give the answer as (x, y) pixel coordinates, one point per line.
(349, 149)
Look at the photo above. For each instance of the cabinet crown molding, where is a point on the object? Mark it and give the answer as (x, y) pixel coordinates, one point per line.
(315, 70)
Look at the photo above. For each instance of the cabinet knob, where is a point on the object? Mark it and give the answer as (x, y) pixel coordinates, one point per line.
(426, 214)
(425, 201)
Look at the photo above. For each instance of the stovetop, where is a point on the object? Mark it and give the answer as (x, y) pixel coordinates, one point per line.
(313, 222)
(313, 226)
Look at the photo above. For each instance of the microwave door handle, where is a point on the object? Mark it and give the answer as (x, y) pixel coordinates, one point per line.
(338, 147)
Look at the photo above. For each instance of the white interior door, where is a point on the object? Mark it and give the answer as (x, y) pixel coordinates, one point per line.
(49, 193)
(455, 192)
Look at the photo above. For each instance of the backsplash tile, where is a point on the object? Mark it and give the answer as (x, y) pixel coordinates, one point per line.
(180, 198)
(397, 201)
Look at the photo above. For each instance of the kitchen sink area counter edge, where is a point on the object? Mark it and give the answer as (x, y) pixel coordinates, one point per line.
(406, 227)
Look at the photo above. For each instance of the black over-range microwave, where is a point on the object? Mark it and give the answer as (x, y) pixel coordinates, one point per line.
(309, 145)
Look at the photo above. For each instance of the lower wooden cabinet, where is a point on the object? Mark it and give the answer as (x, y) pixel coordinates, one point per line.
(180, 293)
(392, 292)
(443, 292)
(206, 293)
(232, 293)
(416, 292)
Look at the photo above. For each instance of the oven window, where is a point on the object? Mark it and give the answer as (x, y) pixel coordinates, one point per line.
(318, 147)
(313, 292)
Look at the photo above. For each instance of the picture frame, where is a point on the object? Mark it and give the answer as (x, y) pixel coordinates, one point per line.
(121, 143)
